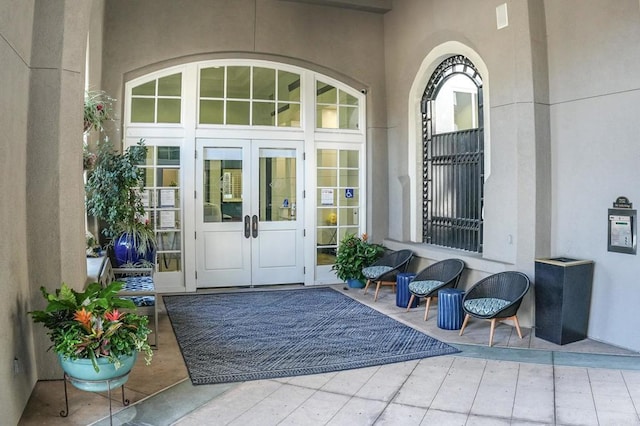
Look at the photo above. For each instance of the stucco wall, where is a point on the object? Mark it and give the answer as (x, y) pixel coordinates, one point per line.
(16, 23)
(563, 90)
(144, 36)
(512, 62)
(41, 216)
(594, 68)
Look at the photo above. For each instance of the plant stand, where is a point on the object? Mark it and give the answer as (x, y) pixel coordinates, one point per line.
(67, 378)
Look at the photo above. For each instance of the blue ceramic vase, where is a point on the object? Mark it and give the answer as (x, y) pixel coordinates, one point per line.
(126, 252)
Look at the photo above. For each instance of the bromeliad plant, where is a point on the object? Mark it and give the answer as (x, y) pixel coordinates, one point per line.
(93, 324)
(355, 253)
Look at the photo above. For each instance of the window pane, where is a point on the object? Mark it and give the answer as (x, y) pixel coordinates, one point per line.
(343, 201)
(327, 177)
(211, 112)
(237, 112)
(325, 256)
(170, 85)
(348, 117)
(168, 241)
(146, 89)
(264, 83)
(326, 94)
(349, 216)
(456, 105)
(142, 110)
(169, 110)
(349, 158)
(288, 115)
(168, 177)
(264, 113)
(238, 82)
(168, 155)
(326, 117)
(328, 217)
(150, 155)
(147, 177)
(326, 236)
(347, 99)
(169, 262)
(348, 178)
(327, 158)
(288, 86)
(212, 82)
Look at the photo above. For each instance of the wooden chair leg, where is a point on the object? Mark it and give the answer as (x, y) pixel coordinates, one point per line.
(515, 321)
(366, 287)
(375, 298)
(413, 296)
(493, 328)
(464, 323)
(426, 311)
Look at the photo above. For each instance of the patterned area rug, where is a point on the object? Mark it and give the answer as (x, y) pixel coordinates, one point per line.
(230, 337)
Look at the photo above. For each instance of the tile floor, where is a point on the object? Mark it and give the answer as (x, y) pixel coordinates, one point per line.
(517, 382)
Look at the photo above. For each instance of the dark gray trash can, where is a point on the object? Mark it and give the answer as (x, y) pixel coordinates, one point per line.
(563, 299)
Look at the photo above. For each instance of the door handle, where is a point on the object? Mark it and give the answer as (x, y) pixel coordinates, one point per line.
(254, 226)
(247, 226)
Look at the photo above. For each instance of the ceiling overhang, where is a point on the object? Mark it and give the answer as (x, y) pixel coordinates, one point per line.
(376, 6)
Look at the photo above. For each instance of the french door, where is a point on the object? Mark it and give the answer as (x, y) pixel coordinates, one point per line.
(248, 213)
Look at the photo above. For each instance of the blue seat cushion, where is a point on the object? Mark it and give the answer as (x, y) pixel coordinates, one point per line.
(422, 288)
(485, 306)
(373, 272)
(140, 283)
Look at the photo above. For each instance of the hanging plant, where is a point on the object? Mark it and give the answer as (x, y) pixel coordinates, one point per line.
(98, 108)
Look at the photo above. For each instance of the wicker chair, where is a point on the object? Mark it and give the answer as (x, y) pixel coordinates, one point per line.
(385, 270)
(443, 274)
(496, 298)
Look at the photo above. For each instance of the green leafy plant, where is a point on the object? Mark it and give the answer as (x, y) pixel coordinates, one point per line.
(98, 108)
(91, 325)
(355, 253)
(113, 194)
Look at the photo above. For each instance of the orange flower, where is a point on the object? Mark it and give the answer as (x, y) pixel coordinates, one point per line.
(113, 316)
(364, 237)
(84, 318)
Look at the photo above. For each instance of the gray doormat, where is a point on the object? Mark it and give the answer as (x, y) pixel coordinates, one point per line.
(230, 337)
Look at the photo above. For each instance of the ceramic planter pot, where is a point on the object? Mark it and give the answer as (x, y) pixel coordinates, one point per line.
(353, 283)
(83, 376)
(126, 251)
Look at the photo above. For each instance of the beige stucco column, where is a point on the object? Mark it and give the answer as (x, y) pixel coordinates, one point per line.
(54, 183)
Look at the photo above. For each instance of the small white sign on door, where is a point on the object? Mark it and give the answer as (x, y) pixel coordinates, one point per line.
(326, 197)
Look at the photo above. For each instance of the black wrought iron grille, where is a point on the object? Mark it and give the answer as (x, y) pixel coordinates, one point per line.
(453, 170)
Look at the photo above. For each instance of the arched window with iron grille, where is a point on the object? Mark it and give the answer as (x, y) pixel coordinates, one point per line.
(453, 156)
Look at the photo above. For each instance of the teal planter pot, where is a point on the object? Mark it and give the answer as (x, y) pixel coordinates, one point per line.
(83, 376)
(353, 283)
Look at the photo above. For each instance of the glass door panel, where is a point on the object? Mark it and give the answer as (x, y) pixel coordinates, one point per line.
(277, 185)
(222, 185)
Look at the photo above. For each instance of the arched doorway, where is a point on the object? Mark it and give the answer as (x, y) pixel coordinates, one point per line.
(247, 160)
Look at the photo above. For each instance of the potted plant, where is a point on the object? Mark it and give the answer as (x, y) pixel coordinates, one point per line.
(98, 108)
(113, 195)
(92, 334)
(353, 254)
